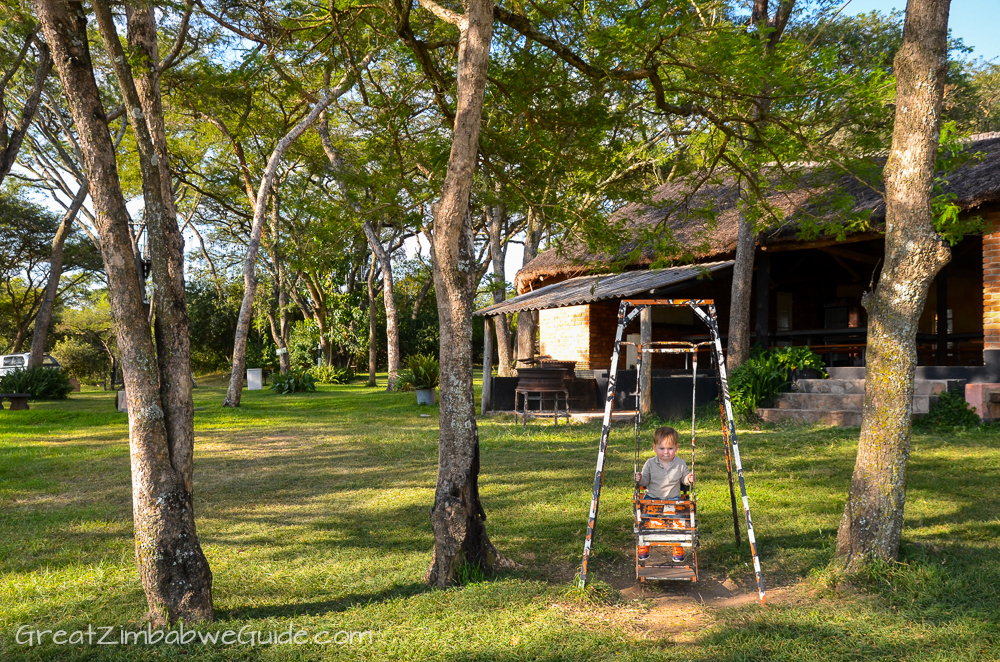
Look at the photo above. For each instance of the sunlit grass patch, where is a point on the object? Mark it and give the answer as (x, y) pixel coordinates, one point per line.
(313, 509)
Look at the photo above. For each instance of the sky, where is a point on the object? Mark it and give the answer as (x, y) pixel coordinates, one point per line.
(974, 21)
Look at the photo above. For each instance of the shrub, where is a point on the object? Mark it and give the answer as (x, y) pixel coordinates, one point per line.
(41, 383)
(765, 374)
(949, 412)
(328, 374)
(82, 360)
(303, 343)
(753, 384)
(293, 381)
(423, 372)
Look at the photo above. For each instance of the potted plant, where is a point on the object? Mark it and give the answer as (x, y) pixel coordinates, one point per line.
(422, 376)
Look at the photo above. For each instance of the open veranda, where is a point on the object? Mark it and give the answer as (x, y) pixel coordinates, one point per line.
(313, 512)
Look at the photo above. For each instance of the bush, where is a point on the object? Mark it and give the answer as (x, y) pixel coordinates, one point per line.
(303, 343)
(423, 373)
(949, 412)
(753, 384)
(82, 360)
(765, 374)
(328, 374)
(293, 381)
(41, 383)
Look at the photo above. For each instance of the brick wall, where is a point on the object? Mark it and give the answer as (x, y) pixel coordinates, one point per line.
(563, 334)
(991, 282)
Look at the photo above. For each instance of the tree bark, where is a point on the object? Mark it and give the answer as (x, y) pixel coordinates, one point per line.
(421, 296)
(738, 343)
(873, 517)
(44, 317)
(372, 322)
(12, 144)
(770, 29)
(457, 517)
(172, 568)
(391, 316)
(235, 391)
(498, 254)
(527, 320)
(279, 326)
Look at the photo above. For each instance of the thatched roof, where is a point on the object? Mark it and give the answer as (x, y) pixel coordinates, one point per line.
(674, 206)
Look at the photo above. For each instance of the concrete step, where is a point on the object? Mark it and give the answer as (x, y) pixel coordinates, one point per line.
(855, 386)
(845, 418)
(834, 386)
(840, 402)
(829, 401)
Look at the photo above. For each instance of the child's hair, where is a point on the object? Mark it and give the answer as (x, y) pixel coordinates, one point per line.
(666, 433)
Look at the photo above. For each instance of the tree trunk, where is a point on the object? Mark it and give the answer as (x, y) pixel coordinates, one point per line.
(498, 253)
(172, 568)
(22, 335)
(914, 253)
(458, 518)
(44, 317)
(738, 344)
(527, 320)
(770, 29)
(421, 296)
(372, 322)
(391, 316)
(9, 150)
(253, 245)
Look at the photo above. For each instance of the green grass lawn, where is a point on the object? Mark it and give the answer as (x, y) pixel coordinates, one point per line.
(313, 510)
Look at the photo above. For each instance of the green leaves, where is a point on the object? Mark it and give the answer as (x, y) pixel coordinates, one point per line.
(947, 220)
(41, 383)
(293, 381)
(765, 374)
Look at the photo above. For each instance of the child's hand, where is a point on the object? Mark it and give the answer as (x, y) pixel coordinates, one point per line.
(690, 478)
(638, 476)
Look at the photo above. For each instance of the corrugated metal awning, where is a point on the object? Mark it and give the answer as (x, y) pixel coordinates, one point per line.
(587, 289)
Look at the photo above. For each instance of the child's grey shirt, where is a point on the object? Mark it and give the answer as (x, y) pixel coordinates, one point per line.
(663, 482)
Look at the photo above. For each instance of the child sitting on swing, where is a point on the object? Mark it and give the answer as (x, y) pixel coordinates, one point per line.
(663, 475)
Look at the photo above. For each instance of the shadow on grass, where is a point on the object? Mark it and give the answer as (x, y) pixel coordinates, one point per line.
(340, 604)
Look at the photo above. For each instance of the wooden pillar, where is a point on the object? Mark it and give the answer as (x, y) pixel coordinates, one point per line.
(487, 399)
(645, 375)
(942, 317)
(762, 292)
(991, 297)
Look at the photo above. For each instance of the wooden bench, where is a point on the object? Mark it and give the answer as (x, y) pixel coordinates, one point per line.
(18, 401)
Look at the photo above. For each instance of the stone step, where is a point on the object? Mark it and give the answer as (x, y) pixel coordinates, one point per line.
(840, 402)
(835, 386)
(845, 418)
(829, 401)
(854, 386)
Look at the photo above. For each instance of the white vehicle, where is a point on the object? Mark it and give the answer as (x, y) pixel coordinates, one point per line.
(12, 362)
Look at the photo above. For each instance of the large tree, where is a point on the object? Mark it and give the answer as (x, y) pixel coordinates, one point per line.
(914, 253)
(458, 517)
(172, 567)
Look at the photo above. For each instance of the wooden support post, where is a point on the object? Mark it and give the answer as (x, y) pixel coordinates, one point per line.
(487, 399)
(762, 293)
(645, 375)
(942, 317)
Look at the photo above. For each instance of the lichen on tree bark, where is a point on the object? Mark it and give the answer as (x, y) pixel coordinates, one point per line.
(872, 522)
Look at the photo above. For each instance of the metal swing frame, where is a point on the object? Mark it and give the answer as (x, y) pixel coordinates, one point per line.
(704, 309)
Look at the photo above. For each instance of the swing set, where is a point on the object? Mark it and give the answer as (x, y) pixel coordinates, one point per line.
(660, 526)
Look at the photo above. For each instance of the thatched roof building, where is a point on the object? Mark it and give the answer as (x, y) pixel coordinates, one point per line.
(675, 206)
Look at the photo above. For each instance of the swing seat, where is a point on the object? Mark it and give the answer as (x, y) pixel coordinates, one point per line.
(660, 526)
